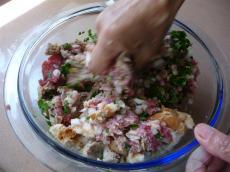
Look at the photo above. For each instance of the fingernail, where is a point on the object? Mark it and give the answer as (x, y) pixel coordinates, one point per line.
(203, 132)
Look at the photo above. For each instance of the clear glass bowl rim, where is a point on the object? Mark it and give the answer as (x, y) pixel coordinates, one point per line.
(161, 161)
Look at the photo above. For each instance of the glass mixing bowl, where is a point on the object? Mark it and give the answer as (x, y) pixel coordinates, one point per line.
(208, 98)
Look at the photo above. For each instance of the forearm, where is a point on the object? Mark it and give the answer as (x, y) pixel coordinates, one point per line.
(178, 3)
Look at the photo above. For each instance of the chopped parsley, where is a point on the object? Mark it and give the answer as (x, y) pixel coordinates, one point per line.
(77, 86)
(43, 105)
(143, 116)
(178, 80)
(66, 109)
(48, 123)
(49, 94)
(158, 92)
(107, 130)
(179, 42)
(173, 98)
(186, 70)
(86, 39)
(47, 117)
(88, 85)
(110, 78)
(159, 137)
(90, 37)
(81, 86)
(88, 118)
(96, 92)
(127, 147)
(100, 156)
(80, 33)
(134, 126)
(181, 78)
(67, 46)
(65, 69)
(50, 74)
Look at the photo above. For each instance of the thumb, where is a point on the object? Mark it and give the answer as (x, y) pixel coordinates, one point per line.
(198, 160)
(213, 141)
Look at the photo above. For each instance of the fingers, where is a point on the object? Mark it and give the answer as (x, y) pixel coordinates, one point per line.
(215, 165)
(226, 168)
(103, 55)
(116, 26)
(202, 161)
(213, 141)
(144, 54)
(198, 160)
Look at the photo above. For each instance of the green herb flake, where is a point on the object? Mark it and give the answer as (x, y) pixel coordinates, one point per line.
(134, 126)
(49, 94)
(47, 117)
(107, 130)
(178, 80)
(77, 86)
(180, 42)
(81, 33)
(66, 109)
(143, 116)
(67, 46)
(127, 147)
(88, 86)
(100, 156)
(86, 39)
(50, 74)
(158, 92)
(88, 118)
(186, 70)
(110, 78)
(49, 123)
(43, 105)
(65, 69)
(173, 98)
(92, 36)
(159, 137)
(95, 93)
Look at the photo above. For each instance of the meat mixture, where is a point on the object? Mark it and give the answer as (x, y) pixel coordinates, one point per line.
(124, 115)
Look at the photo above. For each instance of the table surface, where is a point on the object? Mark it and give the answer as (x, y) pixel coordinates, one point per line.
(210, 15)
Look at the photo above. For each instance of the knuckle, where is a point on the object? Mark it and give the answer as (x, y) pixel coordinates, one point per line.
(104, 26)
(109, 30)
(224, 146)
